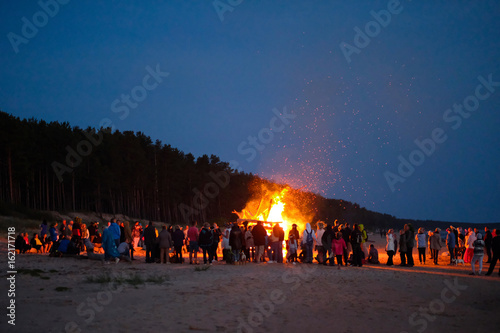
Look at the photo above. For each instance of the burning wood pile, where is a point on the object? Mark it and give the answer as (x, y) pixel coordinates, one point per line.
(273, 207)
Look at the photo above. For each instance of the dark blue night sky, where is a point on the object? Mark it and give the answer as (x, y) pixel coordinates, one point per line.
(395, 106)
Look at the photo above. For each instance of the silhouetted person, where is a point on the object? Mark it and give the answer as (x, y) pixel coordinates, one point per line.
(20, 244)
(435, 244)
(62, 230)
(178, 239)
(215, 244)
(495, 247)
(165, 243)
(410, 244)
(356, 240)
(346, 235)
(326, 240)
(259, 239)
(372, 255)
(488, 237)
(402, 247)
(236, 241)
(451, 243)
(205, 241)
(149, 241)
(192, 236)
(43, 228)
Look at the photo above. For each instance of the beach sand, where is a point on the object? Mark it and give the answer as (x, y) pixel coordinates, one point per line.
(248, 298)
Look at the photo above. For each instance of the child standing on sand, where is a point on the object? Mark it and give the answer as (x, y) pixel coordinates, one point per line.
(373, 255)
(338, 248)
(293, 236)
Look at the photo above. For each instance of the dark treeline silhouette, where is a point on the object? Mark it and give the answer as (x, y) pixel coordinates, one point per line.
(56, 167)
(53, 166)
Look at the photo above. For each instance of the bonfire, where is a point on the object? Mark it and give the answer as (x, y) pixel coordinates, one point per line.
(273, 207)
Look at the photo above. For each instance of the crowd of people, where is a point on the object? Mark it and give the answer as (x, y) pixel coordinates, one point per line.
(253, 242)
(73, 237)
(330, 244)
(466, 246)
(246, 242)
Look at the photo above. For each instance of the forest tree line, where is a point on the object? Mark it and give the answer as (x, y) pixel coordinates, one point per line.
(52, 166)
(55, 167)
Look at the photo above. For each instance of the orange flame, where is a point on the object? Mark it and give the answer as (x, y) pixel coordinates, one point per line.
(278, 210)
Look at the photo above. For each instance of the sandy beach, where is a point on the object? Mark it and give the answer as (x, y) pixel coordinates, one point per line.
(78, 295)
(180, 124)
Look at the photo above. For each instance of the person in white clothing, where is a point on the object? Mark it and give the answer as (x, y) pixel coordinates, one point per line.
(226, 249)
(390, 248)
(421, 238)
(308, 239)
(319, 246)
